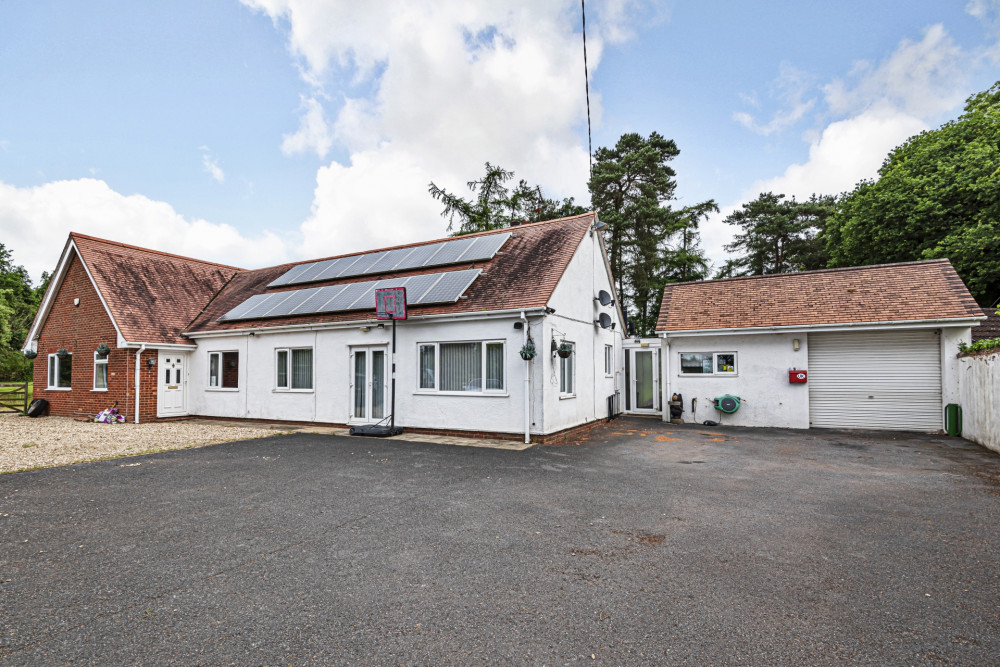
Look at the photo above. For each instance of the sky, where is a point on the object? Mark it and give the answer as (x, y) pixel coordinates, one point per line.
(255, 132)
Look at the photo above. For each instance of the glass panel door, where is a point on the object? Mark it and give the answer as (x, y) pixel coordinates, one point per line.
(369, 367)
(644, 383)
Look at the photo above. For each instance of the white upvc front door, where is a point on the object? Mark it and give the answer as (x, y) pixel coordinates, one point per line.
(369, 384)
(171, 374)
(645, 382)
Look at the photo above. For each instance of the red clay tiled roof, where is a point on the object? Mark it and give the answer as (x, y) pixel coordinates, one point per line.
(153, 296)
(522, 275)
(988, 328)
(928, 290)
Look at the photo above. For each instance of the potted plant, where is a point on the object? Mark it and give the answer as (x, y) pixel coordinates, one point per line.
(565, 349)
(103, 350)
(528, 352)
(62, 353)
(30, 354)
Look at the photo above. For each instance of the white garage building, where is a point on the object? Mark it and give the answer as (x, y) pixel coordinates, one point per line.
(871, 347)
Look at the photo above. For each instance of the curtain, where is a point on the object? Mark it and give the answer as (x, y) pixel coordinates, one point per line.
(494, 366)
(213, 370)
(282, 364)
(427, 367)
(302, 369)
(360, 384)
(461, 366)
(101, 375)
(378, 384)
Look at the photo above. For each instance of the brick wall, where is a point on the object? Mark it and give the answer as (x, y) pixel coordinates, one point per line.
(80, 329)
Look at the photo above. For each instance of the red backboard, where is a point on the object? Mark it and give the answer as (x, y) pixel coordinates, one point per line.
(390, 303)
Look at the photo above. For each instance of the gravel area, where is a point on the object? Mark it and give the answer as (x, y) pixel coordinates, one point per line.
(27, 443)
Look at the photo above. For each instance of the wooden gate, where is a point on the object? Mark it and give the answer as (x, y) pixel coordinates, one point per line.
(13, 397)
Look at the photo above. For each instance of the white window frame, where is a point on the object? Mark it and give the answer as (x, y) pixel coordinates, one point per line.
(715, 365)
(609, 355)
(50, 375)
(222, 371)
(98, 362)
(288, 370)
(568, 362)
(482, 367)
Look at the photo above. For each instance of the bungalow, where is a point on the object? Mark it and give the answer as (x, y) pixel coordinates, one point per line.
(300, 342)
(867, 347)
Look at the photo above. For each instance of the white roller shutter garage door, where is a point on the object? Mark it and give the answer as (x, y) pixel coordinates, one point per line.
(877, 380)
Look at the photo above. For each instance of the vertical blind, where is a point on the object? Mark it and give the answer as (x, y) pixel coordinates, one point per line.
(472, 367)
(302, 369)
(378, 384)
(461, 366)
(359, 383)
(282, 364)
(427, 367)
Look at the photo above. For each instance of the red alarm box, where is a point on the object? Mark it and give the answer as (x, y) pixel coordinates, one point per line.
(797, 377)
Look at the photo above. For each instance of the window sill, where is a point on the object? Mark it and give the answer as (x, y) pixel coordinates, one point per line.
(708, 375)
(229, 389)
(290, 391)
(565, 396)
(99, 391)
(59, 389)
(498, 394)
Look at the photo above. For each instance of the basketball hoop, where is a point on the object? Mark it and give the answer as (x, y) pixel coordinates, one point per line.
(390, 303)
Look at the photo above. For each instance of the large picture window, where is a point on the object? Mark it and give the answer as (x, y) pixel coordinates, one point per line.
(708, 363)
(100, 372)
(294, 369)
(60, 372)
(473, 367)
(567, 373)
(223, 370)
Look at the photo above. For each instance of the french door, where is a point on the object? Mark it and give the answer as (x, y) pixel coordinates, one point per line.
(369, 384)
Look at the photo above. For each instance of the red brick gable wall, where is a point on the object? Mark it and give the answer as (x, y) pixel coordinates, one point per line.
(80, 329)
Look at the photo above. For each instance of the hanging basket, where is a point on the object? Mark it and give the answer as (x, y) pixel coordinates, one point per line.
(564, 351)
(30, 354)
(103, 350)
(528, 352)
(62, 353)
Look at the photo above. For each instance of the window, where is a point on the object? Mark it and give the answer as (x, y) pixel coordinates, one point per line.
(223, 370)
(475, 367)
(294, 369)
(60, 371)
(100, 372)
(608, 357)
(708, 363)
(567, 373)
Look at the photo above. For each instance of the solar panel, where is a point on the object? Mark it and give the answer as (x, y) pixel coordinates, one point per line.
(450, 287)
(444, 287)
(401, 259)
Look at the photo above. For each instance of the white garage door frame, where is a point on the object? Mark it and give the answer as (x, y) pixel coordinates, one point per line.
(889, 380)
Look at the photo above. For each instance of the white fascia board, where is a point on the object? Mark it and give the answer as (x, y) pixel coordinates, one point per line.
(354, 324)
(817, 328)
(159, 346)
(50, 294)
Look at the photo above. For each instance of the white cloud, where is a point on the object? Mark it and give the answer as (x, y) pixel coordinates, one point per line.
(210, 163)
(314, 133)
(791, 89)
(446, 87)
(31, 218)
(925, 79)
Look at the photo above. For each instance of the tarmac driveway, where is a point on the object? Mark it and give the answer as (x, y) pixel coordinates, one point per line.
(646, 544)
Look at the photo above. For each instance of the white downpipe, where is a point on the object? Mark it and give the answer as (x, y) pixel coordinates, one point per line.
(527, 383)
(138, 374)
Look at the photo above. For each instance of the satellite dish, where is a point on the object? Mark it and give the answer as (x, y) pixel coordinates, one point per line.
(604, 320)
(605, 298)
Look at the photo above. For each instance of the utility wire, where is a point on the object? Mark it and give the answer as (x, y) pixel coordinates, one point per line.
(586, 79)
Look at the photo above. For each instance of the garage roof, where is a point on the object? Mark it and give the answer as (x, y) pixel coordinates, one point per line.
(909, 291)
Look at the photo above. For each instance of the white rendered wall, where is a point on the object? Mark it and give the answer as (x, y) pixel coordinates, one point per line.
(951, 375)
(761, 381)
(980, 399)
(573, 321)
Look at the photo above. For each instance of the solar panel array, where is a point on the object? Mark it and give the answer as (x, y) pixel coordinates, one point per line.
(425, 289)
(435, 254)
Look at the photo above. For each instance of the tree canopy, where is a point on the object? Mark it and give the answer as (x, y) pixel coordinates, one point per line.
(778, 235)
(936, 195)
(649, 243)
(497, 206)
(18, 305)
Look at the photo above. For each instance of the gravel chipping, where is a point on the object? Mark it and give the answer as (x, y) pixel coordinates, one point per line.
(27, 443)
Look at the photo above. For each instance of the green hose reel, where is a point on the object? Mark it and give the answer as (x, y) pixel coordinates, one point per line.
(727, 404)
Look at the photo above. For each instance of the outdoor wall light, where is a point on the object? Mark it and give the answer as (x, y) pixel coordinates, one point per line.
(365, 329)
(381, 325)
(151, 362)
(76, 302)
(795, 344)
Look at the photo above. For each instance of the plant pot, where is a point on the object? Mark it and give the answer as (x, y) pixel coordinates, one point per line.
(527, 356)
(103, 351)
(62, 353)
(564, 354)
(30, 354)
